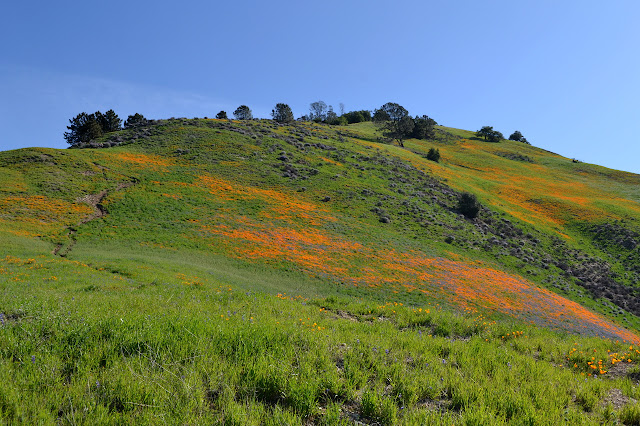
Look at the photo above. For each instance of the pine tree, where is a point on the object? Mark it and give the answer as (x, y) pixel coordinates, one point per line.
(135, 120)
(111, 123)
(282, 113)
(83, 128)
(243, 112)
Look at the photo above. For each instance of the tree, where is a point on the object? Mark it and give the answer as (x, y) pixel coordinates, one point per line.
(357, 116)
(390, 112)
(82, 128)
(282, 113)
(222, 115)
(398, 125)
(110, 122)
(318, 111)
(380, 116)
(243, 112)
(433, 155)
(489, 134)
(331, 115)
(398, 130)
(496, 136)
(517, 136)
(424, 128)
(468, 205)
(135, 120)
(93, 129)
(484, 132)
(337, 121)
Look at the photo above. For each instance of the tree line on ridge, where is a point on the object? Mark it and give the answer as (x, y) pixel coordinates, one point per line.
(392, 120)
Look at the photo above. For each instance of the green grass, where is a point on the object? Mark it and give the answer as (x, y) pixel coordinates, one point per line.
(217, 288)
(144, 350)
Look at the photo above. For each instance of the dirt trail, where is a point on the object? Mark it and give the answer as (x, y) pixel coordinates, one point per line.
(95, 201)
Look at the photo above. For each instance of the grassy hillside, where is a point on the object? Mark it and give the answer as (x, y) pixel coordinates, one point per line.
(218, 271)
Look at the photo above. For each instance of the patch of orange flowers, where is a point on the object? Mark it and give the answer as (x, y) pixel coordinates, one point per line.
(145, 160)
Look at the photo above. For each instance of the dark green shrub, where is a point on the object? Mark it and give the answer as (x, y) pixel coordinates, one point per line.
(433, 155)
(357, 116)
(468, 205)
(337, 121)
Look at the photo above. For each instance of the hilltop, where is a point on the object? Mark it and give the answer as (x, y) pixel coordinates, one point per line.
(206, 215)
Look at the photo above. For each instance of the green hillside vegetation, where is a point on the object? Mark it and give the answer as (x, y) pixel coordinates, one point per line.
(256, 272)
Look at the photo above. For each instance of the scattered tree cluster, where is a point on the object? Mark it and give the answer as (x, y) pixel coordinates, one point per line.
(320, 112)
(85, 127)
(396, 124)
(491, 135)
(392, 119)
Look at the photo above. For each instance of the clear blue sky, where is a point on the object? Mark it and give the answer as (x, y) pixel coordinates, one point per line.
(564, 73)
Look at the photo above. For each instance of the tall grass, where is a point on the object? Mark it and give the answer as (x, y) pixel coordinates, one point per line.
(179, 353)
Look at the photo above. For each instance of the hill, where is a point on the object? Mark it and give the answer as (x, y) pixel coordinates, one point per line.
(327, 251)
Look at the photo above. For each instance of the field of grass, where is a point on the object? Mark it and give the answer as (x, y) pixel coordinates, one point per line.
(83, 344)
(251, 273)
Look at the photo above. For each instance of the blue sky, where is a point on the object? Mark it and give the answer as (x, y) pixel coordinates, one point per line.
(564, 73)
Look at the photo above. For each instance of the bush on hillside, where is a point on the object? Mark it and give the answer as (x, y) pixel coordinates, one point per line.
(222, 115)
(337, 121)
(468, 205)
(357, 116)
(433, 155)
